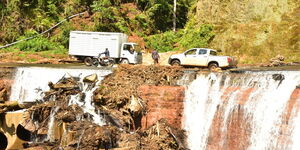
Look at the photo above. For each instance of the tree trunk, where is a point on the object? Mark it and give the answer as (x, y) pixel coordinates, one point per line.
(174, 16)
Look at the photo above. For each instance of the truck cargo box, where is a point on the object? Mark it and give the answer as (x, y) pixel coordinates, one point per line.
(84, 43)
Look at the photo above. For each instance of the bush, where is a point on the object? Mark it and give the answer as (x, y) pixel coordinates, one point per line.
(183, 39)
(162, 42)
(198, 37)
(37, 44)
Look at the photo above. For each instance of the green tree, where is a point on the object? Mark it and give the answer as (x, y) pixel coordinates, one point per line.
(161, 12)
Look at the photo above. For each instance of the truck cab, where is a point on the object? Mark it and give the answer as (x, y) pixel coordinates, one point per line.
(130, 54)
(202, 57)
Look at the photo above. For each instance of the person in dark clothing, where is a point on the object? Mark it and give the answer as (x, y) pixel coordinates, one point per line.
(106, 53)
(155, 56)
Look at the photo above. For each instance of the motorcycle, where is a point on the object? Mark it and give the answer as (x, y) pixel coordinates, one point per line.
(103, 61)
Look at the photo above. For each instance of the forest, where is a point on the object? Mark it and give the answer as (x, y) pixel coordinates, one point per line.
(147, 19)
(237, 28)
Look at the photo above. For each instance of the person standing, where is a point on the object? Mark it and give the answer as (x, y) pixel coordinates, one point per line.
(155, 56)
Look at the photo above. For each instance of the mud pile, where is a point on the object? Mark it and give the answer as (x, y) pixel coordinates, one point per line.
(116, 100)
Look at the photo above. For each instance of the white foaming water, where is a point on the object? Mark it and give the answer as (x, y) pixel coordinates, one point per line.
(29, 82)
(87, 103)
(51, 124)
(265, 105)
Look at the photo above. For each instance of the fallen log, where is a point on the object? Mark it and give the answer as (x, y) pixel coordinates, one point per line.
(10, 106)
(63, 86)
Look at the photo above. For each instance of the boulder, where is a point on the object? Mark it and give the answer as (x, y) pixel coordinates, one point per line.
(91, 78)
(136, 104)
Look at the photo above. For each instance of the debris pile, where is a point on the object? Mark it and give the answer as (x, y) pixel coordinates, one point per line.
(162, 136)
(276, 61)
(118, 91)
(89, 136)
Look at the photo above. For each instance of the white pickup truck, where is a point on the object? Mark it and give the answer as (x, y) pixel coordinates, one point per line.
(203, 57)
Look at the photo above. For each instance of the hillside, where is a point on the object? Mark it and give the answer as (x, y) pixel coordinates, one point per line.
(137, 18)
(254, 30)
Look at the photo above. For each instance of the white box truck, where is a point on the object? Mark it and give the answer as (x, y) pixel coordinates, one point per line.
(86, 45)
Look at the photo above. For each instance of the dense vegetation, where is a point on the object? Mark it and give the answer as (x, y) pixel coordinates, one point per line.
(237, 32)
(150, 19)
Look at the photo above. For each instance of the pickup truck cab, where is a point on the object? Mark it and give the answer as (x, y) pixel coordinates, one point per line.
(203, 57)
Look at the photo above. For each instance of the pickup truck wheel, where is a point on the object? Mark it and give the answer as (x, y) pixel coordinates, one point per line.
(124, 61)
(88, 61)
(175, 63)
(213, 66)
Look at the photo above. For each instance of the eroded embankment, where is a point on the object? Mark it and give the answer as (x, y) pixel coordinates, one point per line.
(135, 107)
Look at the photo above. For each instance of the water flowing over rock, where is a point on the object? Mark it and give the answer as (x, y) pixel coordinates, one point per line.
(30, 82)
(243, 111)
(63, 114)
(255, 110)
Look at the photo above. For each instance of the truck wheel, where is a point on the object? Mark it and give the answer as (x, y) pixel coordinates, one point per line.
(175, 63)
(124, 61)
(213, 66)
(95, 62)
(88, 61)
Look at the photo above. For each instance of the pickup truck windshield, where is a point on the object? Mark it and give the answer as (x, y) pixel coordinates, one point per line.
(213, 53)
(202, 52)
(191, 52)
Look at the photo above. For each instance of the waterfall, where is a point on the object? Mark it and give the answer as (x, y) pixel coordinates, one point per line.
(254, 111)
(30, 82)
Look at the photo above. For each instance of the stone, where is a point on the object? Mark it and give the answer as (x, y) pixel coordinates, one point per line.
(91, 78)
(135, 105)
(217, 70)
